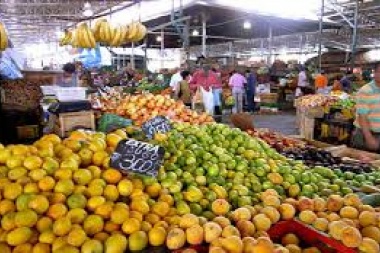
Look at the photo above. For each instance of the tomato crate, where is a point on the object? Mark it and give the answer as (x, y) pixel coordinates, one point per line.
(308, 235)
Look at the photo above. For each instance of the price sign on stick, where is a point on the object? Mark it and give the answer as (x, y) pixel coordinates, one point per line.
(158, 124)
(138, 157)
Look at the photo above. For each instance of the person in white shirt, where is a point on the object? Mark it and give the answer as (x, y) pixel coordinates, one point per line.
(303, 84)
(177, 78)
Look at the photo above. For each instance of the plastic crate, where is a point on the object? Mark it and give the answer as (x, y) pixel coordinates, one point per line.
(308, 235)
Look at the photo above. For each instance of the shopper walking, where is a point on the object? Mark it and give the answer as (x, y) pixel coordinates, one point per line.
(204, 78)
(177, 78)
(237, 82)
(303, 86)
(183, 90)
(367, 133)
(217, 90)
(251, 86)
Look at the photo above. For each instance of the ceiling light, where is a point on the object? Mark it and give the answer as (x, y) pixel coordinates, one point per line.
(158, 38)
(87, 10)
(247, 25)
(195, 32)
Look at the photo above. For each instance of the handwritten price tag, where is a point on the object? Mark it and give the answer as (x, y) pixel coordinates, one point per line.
(158, 124)
(138, 157)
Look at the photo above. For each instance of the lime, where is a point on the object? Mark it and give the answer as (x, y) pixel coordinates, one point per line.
(196, 209)
(199, 172)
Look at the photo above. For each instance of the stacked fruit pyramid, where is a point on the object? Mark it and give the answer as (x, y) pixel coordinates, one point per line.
(218, 186)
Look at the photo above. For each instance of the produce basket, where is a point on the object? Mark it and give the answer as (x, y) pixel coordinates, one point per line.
(309, 235)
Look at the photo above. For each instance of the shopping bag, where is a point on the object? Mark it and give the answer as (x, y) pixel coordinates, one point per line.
(208, 100)
(197, 101)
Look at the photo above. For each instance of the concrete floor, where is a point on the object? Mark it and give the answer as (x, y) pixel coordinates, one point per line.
(284, 122)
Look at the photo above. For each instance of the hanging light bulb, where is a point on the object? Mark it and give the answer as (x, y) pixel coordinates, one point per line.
(195, 32)
(158, 38)
(247, 25)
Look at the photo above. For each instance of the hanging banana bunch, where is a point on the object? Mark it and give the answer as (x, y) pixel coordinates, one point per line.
(118, 36)
(135, 32)
(66, 38)
(103, 32)
(3, 37)
(83, 37)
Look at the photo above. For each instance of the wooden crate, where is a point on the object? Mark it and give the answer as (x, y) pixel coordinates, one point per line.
(68, 122)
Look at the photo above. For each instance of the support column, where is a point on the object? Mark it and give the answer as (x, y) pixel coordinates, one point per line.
(162, 48)
(146, 55)
(133, 56)
(270, 45)
(204, 36)
(354, 35)
(320, 35)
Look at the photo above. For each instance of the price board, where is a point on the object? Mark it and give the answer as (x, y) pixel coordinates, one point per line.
(158, 124)
(138, 157)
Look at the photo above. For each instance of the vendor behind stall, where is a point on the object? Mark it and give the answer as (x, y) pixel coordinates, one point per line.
(367, 133)
(69, 78)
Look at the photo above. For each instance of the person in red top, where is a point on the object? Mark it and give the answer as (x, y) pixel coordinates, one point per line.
(205, 78)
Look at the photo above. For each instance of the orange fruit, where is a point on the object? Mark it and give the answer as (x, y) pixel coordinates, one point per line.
(56, 211)
(112, 176)
(33, 162)
(46, 184)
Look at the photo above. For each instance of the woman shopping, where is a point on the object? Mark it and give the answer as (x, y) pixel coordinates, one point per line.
(182, 91)
(237, 82)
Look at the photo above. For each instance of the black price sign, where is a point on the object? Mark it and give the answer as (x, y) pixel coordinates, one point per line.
(158, 124)
(138, 157)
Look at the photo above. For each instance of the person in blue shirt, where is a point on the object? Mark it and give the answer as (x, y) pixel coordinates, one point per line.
(346, 82)
(251, 86)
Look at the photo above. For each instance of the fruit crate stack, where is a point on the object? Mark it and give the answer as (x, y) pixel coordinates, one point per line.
(269, 102)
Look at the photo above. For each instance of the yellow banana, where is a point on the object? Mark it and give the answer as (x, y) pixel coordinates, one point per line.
(83, 43)
(107, 33)
(3, 38)
(90, 37)
(116, 37)
(97, 27)
(132, 31)
(75, 40)
(143, 32)
(126, 34)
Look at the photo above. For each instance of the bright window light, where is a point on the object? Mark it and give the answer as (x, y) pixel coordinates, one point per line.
(295, 9)
(247, 25)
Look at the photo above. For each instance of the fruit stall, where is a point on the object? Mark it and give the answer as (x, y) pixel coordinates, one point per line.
(130, 169)
(191, 186)
(326, 118)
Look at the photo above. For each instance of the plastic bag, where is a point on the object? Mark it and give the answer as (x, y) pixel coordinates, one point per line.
(110, 122)
(197, 101)
(208, 100)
